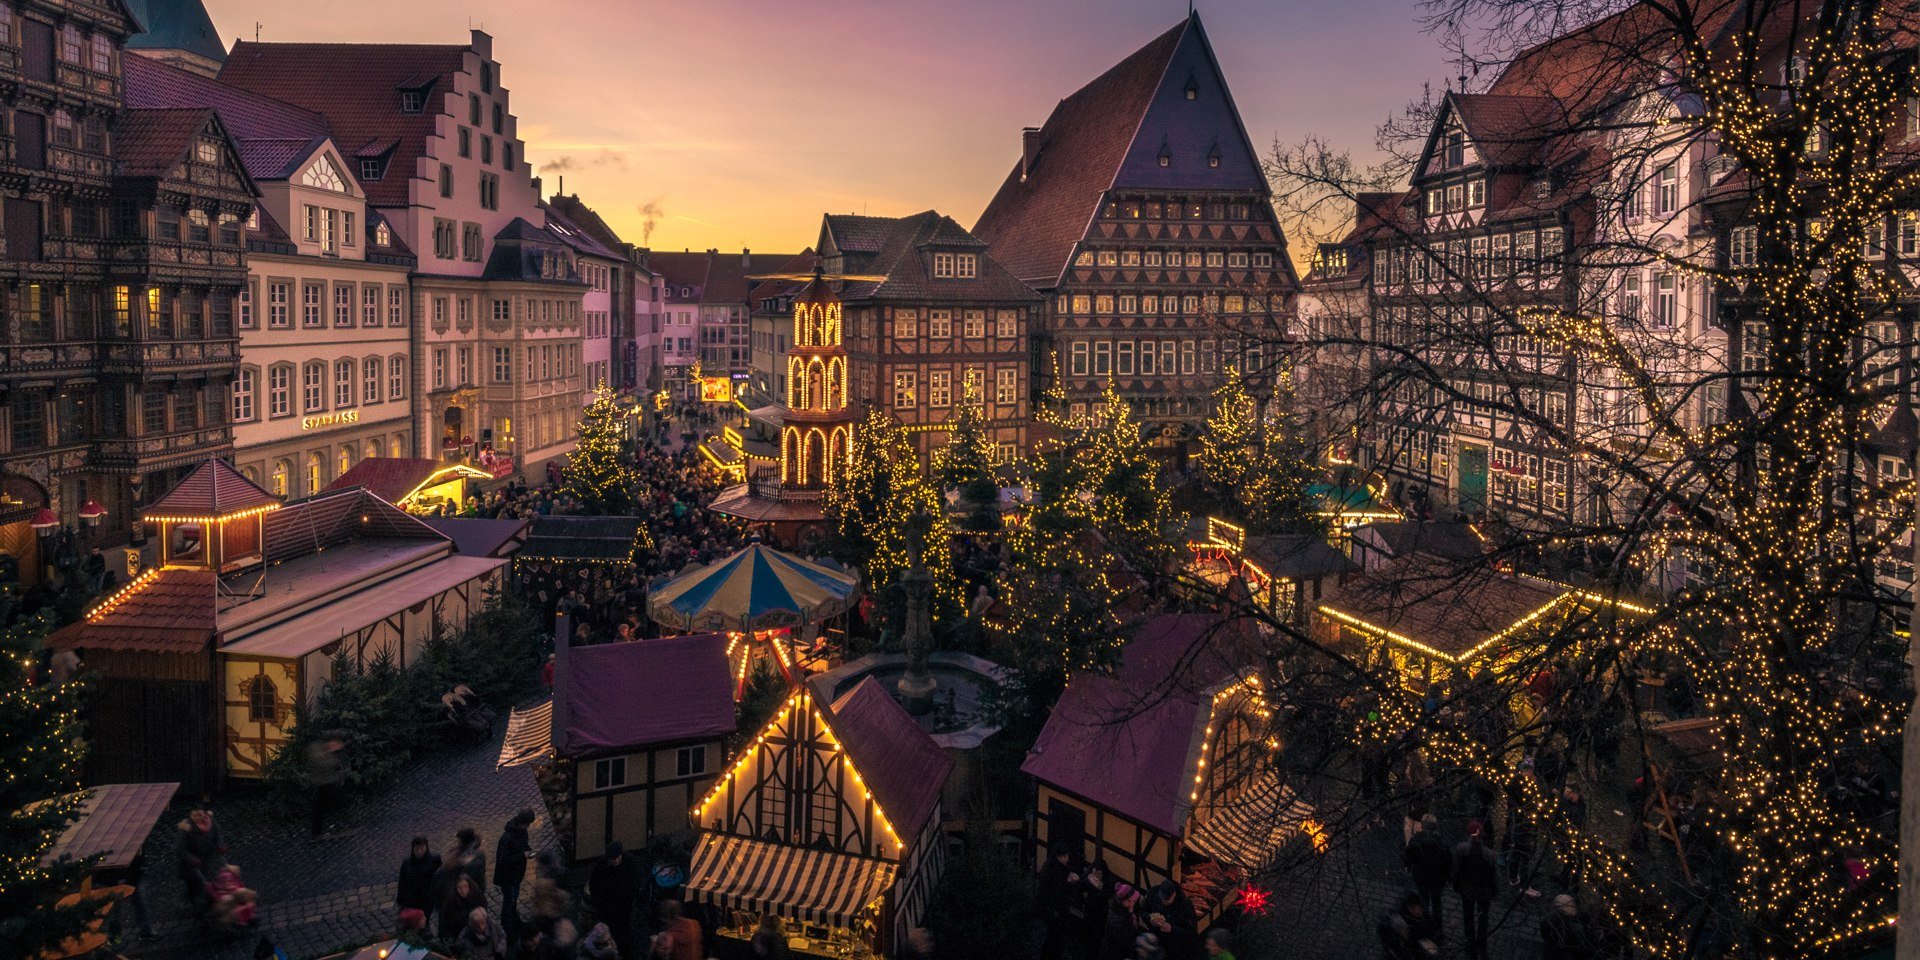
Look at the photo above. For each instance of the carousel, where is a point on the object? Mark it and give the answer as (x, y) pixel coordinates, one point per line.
(773, 607)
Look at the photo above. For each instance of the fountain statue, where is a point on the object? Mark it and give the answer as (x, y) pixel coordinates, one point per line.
(917, 685)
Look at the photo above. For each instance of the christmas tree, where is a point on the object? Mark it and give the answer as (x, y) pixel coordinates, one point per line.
(966, 462)
(870, 502)
(40, 737)
(598, 473)
(1258, 468)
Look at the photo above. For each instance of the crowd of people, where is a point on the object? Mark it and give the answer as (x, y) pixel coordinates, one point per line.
(442, 901)
(1091, 915)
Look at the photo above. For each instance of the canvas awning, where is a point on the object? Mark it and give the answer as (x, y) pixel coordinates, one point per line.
(529, 734)
(1249, 830)
(803, 884)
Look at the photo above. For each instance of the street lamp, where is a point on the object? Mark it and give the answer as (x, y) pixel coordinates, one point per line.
(91, 513)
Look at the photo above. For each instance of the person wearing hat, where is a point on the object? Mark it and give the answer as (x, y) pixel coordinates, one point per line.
(1122, 923)
(613, 889)
(1054, 899)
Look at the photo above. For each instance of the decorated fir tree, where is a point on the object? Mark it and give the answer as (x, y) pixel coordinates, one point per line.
(1231, 437)
(598, 471)
(1258, 468)
(870, 502)
(966, 463)
(40, 738)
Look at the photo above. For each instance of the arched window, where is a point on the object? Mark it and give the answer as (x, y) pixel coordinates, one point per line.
(313, 387)
(263, 701)
(251, 473)
(325, 175)
(837, 383)
(394, 449)
(282, 473)
(316, 473)
(346, 459)
(816, 387)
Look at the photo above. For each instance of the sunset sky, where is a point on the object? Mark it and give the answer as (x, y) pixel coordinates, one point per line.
(739, 122)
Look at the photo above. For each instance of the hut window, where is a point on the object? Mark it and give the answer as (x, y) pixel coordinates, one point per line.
(263, 701)
(690, 761)
(611, 772)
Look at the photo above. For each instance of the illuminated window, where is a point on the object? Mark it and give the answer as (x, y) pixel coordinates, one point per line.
(940, 389)
(905, 390)
(324, 175)
(282, 474)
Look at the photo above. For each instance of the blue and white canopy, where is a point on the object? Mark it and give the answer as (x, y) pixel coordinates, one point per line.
(758, 588)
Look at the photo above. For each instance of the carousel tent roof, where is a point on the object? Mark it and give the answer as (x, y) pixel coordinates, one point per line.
(757, 588)
(213, 489)
(1125, 740)
(581, 538)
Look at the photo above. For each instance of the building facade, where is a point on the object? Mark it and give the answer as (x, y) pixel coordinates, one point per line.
(708, 302)
(1140, 210)
(428, 132)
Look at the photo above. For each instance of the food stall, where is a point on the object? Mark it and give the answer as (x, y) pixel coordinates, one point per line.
(414, 484)
(829, 819)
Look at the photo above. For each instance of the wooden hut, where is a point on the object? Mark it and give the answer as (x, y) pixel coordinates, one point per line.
(830, 818)
(1161, 770)
(1283, 574)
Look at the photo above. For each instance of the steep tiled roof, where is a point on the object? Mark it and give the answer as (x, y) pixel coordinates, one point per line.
(213, 489)
(898, 761)
(587, 219)
(247, 115)
(355, 88)
(896, 246)
(1509, 131)
(388, 478)
(716, 276)
(149, 143)
(570, 232)
(163, 611)
(1032, 223)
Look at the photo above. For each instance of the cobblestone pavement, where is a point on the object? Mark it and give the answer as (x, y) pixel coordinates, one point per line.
(318, 894)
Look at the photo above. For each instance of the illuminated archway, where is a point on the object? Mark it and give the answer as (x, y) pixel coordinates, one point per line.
(795, 381)
(817, 388)
(837, 383)
(813, 453)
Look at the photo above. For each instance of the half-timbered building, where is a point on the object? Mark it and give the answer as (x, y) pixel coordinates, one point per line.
(1161, 770)
(1140, 210)
(204, 657)
(830, 818)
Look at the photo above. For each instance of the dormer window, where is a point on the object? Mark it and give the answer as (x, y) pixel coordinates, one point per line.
(370, 168)
(1193, 88)
(1456, 149)
(324, 175)
(382, 234)
(410, 101)
(955, 266)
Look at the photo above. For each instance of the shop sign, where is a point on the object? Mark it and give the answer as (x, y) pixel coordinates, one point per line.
(330, 419)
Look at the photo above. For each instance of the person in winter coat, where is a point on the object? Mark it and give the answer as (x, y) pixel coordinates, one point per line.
(599, 944)
(1401, 932)
(458, 905)
(202, 854)
(613, 889)
(1058, 882)
(481, 938)
(417, 873)
(770, 939)
(469, 858)
(679, 937)
(1122, 924)
(1476, 878)
(1564, 934)
(551, 902)
(510, 868)
(1429, 865)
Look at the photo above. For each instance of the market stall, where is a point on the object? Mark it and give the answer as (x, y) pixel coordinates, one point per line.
(414, 484)
(829, 819)
(1283, 574)
(111, 824)
(1163, 769)
(772, 605)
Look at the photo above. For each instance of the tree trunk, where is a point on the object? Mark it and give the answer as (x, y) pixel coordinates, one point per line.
(1907, 945)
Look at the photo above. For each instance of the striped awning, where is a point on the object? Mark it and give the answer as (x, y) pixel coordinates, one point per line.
(757, 588)
(529, 734)
(1249, 830)
(810, 886)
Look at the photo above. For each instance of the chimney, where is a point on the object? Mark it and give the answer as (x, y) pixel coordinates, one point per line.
(746, 258)
(536, 186)
(1029, 150)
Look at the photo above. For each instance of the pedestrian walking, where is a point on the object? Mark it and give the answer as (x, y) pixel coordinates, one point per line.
(480, 938)
(1564, 933)
(1219, 944)
(468, 857)
(1430, 866)
(326, 781)
(679, 936)
(1476, 879)
(418, 876)
(202, 854)
(1054, 901)
(613, 889)
(510, 869)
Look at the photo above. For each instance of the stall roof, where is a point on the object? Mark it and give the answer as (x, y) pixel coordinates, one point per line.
(581, 538)
(394, 478)
(213, 489)
(478, 537)
(1297, 555)
(161, 611)
(1125, 740)
(113, 823)
(902, 766)
(645, 691)
(1439, 610)
(1446, 540)
(307, 632)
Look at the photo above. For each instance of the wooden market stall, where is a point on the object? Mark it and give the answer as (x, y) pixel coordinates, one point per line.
(414, 484)
(109, 827)
(640, 729)
(830, 818)
(1284, 574)
(1162, 770)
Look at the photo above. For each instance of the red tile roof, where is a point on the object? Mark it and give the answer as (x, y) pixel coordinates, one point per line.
(213, 489)
(891, 247)
(1032, 225)
(355, 88)
(643, 692)
(897, 760)
(150, 143)
(577, 213)
(162, 611)
(716, 276)
(1126, 740)
(247, 115)
(388, 478)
